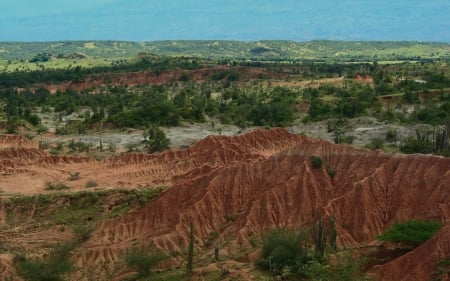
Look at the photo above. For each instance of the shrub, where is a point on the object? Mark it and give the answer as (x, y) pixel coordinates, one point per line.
(211, 237)
(316, 162)
(52, 268)
(375, 143)
(331, 172)
(413, 145)
(56, 186)
(283, 248)
(144, 260)
(411, 232)
(442, 269)
(91, 183)
(391, 135)
(82, 232)
(340, 137)
(74, 176)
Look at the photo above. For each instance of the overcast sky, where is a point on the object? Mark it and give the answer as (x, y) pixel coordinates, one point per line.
(299, 20)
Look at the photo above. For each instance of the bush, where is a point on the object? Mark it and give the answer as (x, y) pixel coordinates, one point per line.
(316, 162)
(283, 249)
(50, 269)
(91, 183)
(391, 135)
(156, 140)
(340, 137)
(375, 143)
(412, 145)
(144, 260)
(442, 269)
(56, 186)
(74, 176)
(411, 232)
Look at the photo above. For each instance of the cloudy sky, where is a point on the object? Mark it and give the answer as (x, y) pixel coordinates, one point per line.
(299, 20)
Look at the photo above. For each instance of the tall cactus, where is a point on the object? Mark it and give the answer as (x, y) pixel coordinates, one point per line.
(319, 236)
(333, 234)
(190, 254)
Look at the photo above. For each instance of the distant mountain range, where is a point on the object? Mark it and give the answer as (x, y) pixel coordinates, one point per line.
(148, 20)
(221, 49)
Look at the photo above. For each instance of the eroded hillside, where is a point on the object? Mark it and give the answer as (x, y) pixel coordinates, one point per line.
(233, 189)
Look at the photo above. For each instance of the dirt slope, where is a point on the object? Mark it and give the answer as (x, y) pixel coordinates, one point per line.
(238, 187)
(148, 77)
(27, 170)
(369, 191)
(419, 264)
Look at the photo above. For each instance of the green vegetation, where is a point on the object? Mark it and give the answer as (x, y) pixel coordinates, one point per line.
(316, 162)
(144, 260)
(319, 236)
(91, 183)
(51, 268)
(287, 254)
(74, 176)
(433, 141)
(56, 186)
(283, 249)
(78, 210)
(406, 93)
(266, 84)
(412, 232)
(259, 50)
(442, 269)
(155, 139)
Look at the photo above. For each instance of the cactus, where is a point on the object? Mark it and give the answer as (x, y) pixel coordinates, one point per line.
(319, 236)
(190, 254)
(333, 234)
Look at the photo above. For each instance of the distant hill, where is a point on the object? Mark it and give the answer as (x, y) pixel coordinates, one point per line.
(258, 50)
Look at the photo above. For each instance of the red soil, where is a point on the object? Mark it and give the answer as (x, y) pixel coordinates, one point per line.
(241, 186)
(146, 77)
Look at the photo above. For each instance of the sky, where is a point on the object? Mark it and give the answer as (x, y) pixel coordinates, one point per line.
(248, 20)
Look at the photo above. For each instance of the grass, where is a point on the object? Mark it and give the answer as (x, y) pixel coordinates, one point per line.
(51, 268)
(81, 209)
(442, 269)
(100, 52)
(18, 65)
(56, 186)
(413, 232)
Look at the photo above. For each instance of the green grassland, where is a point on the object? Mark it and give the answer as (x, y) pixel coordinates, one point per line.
(260, 50)
(25, 65)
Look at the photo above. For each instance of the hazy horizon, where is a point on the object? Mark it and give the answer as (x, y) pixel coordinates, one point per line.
(242, 20)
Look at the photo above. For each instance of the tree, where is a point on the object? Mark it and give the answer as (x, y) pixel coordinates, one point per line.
(156, 140)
